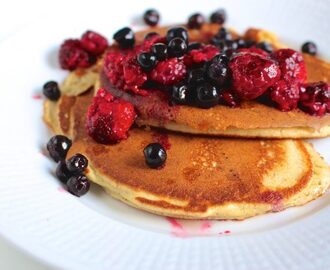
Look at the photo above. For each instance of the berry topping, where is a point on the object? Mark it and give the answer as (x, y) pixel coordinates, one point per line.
(315, 98)
(217, 71)
(252, 74)
(151, 35)
(72, 55)
(177, 32)
(205, 53)
(58, 146)
(265, 46)
(146, 60)
(179, 94)
(223, 34)
(51, 90)
(196, 21)
(218, 16)
(169, 72)
(309, 47)
(285, 95)
(125, 38)
(194, 46)
(196, 76)
(151, 17)
(206, 96)
(77, 163)
(109, 119)
(253, 50)
(94, 43)
(62, 172)
(229, 99)
(78, 185)
(177, 47)
(155, 155)
(160, 51)
(292, 65)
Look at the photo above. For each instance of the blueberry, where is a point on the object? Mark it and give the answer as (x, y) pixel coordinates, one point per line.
(207, 96)
(265, 46)
(194, 46)
(125, 38)
(249, 43)
(180, 94)
(218, 73)
(309, 47)
(58, 146)
(62, 172)
(77, 163)
(177, 47)
(150, 35)
(78, 185)
(146, 60)
(196, 21)
(219, 16)
(240, 43)
(51, 90)
(177, 32)
(196, 76)
(225, 45)
(223, 34)
(151, 17)
(155, 155)
(160, 51)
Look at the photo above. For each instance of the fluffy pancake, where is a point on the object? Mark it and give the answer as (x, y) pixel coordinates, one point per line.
(204, 177)
(252, 119)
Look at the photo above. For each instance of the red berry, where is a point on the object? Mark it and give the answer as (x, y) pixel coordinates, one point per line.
(72, 55)
(205, 53)
(169, 72)
(109, 119)
(315, 98)
(94, 43)
(252, 74)
(253, 50)
(285, 95)
(292, 65)
(229, 99)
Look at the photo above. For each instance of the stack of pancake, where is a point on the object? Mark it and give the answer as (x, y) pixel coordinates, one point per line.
(206, 174)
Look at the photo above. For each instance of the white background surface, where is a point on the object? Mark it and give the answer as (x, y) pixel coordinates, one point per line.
(16, 15)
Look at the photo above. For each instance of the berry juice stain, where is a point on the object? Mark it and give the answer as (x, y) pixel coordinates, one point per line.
(161, 138)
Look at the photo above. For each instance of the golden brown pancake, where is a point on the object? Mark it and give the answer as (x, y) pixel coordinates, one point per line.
(251, 119)
(204, 177)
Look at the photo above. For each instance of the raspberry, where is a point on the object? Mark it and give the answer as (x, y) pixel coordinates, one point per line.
(252, 74)
(229, 99)
(315, 98)
(94, 43)
(253, 50)
(285, 95)
(113, 68)
(205, 53)
(134, 76)
(109, 119)
(169, 72)
(72, 55)
(292, 65)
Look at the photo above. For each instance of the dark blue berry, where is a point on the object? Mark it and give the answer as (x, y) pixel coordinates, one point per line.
(62, 172)
(177, 47)
(78, 185)
(194, 46)
(77, 163)
(160, 51)
(58, 146)
(51, 90)
(309, 47)
(180, 94)
(207, 96)
(218, 73)
(219, 16)
(155, 155)
(265, 46)
(125, 37)
(240, 43)
(146, 60)
(223, 34)
(196, 21)
(177, 32)
(151, 17)
(150, 35)
(196, 76)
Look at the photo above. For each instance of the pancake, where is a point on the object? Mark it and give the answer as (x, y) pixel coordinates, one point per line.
(251, 119)
(204, 177)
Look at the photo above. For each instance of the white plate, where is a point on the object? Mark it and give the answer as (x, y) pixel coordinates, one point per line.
(97, 232)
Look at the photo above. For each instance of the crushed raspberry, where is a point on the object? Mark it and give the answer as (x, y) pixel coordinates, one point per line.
(229, 99)
(252, 74)
(292, 65)
(109, 119)
(94, 43)
(253, 50)
(285, 95)
(205, 53)
(169, 72)
(315, 98)
(134, 76)
(72, 55)
(147, 43)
